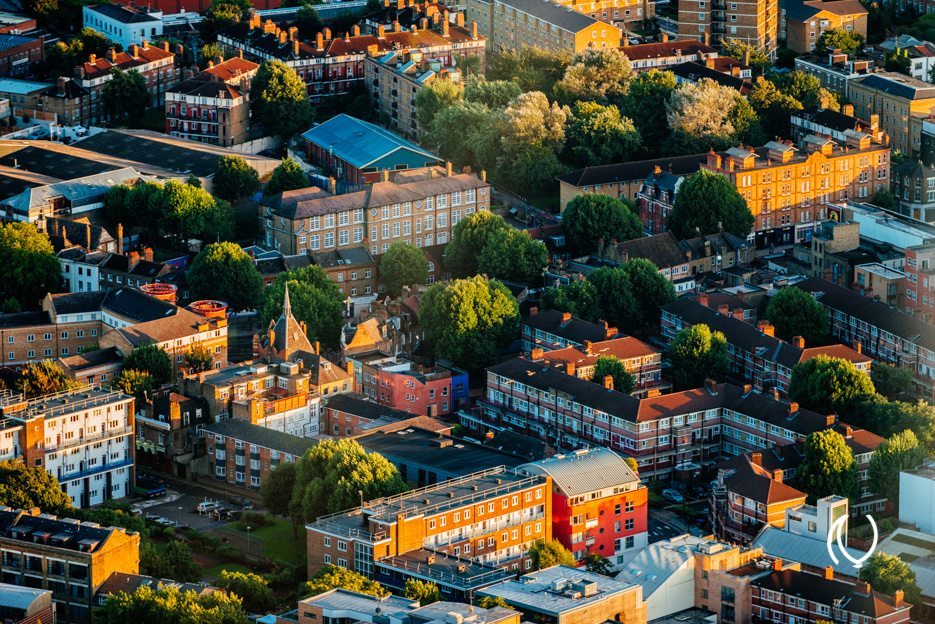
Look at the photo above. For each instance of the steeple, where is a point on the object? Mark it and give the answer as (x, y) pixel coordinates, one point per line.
(286, 306)
(287, 335)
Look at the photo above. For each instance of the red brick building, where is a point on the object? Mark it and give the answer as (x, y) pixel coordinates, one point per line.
(599, 505)
(407, 386)
(18, 52)
(920, 285)
(243, 454)
(641, 360)
(351, 414)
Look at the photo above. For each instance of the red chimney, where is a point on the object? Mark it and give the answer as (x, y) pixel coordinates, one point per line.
(587, 347)
(756, 458)
(798, 341)
(829, 573)
(609, 382)
(777, 476)
(536, 354)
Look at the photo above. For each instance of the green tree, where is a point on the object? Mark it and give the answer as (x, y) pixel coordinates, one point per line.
(896, 383)
(616, 302)
(234, 178)
(403, 264)
(198, 358)
(62, 57)
(632, 464)
(794, 312)
(806, 88)
(697, 353)
(288, 176)
(477, 141)
(116, 517)
(491, 602)
(827, 384)
(276, 489)
(645, 104)
(578, 297)
(336, 474)
(41, 8)
(426, 592)
(10, 306)
(773, 106)
(331, 577)
(281, 99)
(899, 452)
(467, 321)
(436, 96)
(174, 560)
(609, 365)
(40, 378)
(887, 573)
(226, 272)
(315, 300)
(701, 116)
(25, 487)
(531, 121)
(468, 239)
(533, 69)
(253, 589)
(828, 466)
(548, 553)
(150, 358)
(512, 255)
(591, 217)
(185, 211)
(839, 39)
(597, 564)
(494, 94)
(125, 95)
(530, 169)
(650, 291)
(884, 199)
(599, 75)
(707, 202)
(743, 51)
(224, 13)
(887, 418)
(137, 383)
(599, 135)
(30, 268)
(171, 605)
(209, 52)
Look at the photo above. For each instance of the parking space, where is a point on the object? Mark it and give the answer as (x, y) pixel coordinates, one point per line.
(660, 530)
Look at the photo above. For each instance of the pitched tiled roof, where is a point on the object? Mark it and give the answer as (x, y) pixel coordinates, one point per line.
(179, 325)
(693, 71)
(752, 477)
(359, 405)
(662, 250)
(660, 49)
(261, 436)
(97, 67)
(824, 591)
(231, 69)
(633, 171)
(575, 329)
(554, 13)
(623, 348)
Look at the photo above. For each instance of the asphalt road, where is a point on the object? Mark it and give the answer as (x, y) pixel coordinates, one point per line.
(659, 529)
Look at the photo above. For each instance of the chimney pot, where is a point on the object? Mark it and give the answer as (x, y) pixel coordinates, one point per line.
(756, 458)
(609, 382)
(777, 475)
(569, 368)
(536, 354)
(777, 565)
(829, 573)
(587, 347)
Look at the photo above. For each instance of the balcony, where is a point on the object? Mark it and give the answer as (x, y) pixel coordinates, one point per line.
(87, 472)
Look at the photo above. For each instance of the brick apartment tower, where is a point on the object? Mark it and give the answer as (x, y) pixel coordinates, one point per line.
(751, 21)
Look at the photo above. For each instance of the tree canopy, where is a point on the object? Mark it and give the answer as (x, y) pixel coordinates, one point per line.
(403, 264)
(839, 39)
(614, 366)
(707, 202)
(253, 589)
(125, 95)
(548, 553)
(152, 359)
(276, 489)
(697, 353)
(331, 577)
(494, 94)
(40, 378)
(901, 451)
(645, 103)
(468, 320)
(896, 383)
(703, 115)
(25, 487)
(794, 312)
(468, 239)
(887, 573)
(591, 217)
(287, 176)
(426, 592)
(30, 268)
(136, 383)
(533, 69)
(280, 99)
(173, 560)
(600, 75)
(512, 255)
(234, 178)
(434, 97)
(226, 272)
(170, 605)
(315, 299)
(828, 384)
(828, 466)
(599, 134)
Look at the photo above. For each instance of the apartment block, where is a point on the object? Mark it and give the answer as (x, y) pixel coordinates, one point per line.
(920, 282)
(168, 433)
(640, 359)
(462, 534)
(788, 190)
(33, 336)
(896, 98)
(126, 25)
(836, 71)
(885, 334)
(802, 22)
(754, 22)
(599, 505)
(18, 53)
(419, 207)
(243, 454)
(550, 330)
(212, 106)
(403, 384)
(620, 13)
(513, 24)
(345, 604)
(70, 558)
(335, 65)
(396, 78)
(668, 435)
(353, 269)
(665, 54)
(84, 438)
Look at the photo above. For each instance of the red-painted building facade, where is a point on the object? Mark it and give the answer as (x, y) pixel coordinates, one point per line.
(409, 387)
(599, 505)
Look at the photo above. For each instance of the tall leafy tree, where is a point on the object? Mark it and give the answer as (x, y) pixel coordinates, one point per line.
(578, 297)
(697, 353)
(794, 312)
(548, 553)
(467, 321)
(645, 104)
(137, 383)
(887, 573)
(170, 605)
(314, 298)
(828, 466)
(707, 202)
(744, 51)
(827, 384)
(614, 366)
(774, 106)
(513, 255)
(477, 140)
(599, 134)
(276, 490)
(287, 176)
(530, 169)
(887, 418)
(839, 39)
(597, 564)
(433, 98)
(533, 69)
(806, 88)
(253, 589)
(590, 217)
(40, 378)
(494, 94)
(125, 95)
(468, 239)
(225, 271)
(331, 577)
(650, 291)
(281, 99)
(596, 75)
(234, 178)
(25, 487)
(426, 592)
(198, 358)
(30, 268)
(150, 358)
(896, 383)
(901, 451)
(532, 121)
(616, 301)
(403, 264)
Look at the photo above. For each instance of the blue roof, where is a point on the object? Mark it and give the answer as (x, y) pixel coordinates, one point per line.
(360, 143)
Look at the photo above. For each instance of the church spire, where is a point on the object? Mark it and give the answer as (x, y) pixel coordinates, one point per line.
(286, 306)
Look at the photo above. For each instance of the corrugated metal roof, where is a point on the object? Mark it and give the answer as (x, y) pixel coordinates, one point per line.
(585, 471)
(360, 143)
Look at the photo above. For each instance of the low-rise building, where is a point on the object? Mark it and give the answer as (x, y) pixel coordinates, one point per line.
(351, 414)
(550, 330)
(354, 270)
(342, 603)
(564, 595)
(665, 54)
(169, 432)
(824, 121)
(34, 336)
(406, 385)
(836, 70)
(599, 505)
(896, 98)
(63, 198)
(24, 605)
(123, 24)
(19, 53)
(70, 558)
(723, 70)
(918, 55)
(640, 359)
(880, 282)
(93, 366)
(802, 22)
(664, 251)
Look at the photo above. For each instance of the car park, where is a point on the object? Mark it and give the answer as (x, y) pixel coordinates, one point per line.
(673, 496)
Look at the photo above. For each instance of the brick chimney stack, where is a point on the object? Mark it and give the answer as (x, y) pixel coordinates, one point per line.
(798, 341)
(609, 382)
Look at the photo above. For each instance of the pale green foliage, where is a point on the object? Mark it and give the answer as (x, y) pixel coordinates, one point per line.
(253, 589)
(533, 69)
(743, 51)
(827, 384)
(25, 487)
(548, 553)
(331, 577)
(30, 268)
(839, 39)
(531, 121)
(40, 378)
(426, 592)
(494, 94)
(596, 75)
(170, 605)
(433, 98)
(134, 382)
(198, 358)
(887, 573)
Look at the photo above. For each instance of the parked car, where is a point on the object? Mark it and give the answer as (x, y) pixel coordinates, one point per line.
(243, 503)
(207, 506)
(673, 496)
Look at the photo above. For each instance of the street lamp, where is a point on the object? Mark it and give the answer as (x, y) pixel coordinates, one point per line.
(248, 539)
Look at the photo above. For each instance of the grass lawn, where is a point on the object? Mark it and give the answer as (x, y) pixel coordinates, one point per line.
(215, 572)
(278, 541)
